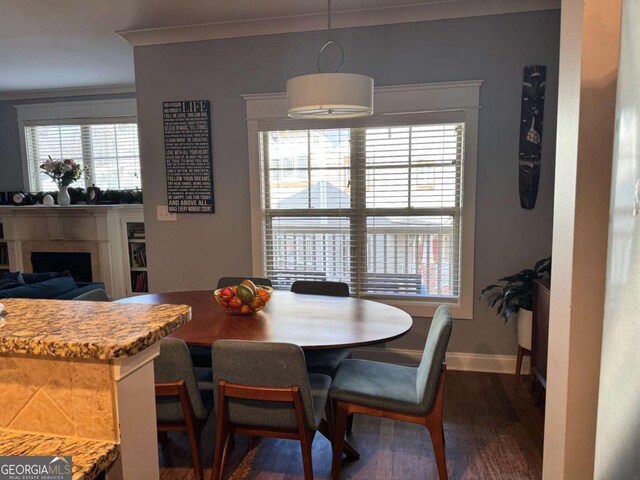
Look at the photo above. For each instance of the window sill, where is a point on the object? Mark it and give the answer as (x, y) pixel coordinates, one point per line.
(425, 308)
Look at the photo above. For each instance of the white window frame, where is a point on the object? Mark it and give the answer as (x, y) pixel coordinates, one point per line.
(415, 100)
(119, 110)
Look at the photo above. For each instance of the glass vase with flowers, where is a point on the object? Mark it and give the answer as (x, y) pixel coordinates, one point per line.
(63, 172)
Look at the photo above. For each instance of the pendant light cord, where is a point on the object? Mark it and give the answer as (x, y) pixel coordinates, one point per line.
(329, 18)
(330, 42)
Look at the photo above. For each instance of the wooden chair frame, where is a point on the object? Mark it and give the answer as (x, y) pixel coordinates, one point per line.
(192, 425)
(432, 420)
(225, 429)
(521, 353)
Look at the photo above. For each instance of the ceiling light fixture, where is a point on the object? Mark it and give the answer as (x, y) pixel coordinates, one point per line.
(330, 95)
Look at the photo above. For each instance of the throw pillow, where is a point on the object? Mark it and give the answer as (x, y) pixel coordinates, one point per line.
(52, 288)
(41, 277)
(11, 280)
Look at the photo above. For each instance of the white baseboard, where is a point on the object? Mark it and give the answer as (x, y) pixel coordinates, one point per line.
(470, 362)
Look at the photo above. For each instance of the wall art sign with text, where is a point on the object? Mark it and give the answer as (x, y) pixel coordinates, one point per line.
(188, 155)
(531, 122)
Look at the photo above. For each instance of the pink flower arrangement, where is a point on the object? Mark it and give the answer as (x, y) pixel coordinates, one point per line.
(64, 172)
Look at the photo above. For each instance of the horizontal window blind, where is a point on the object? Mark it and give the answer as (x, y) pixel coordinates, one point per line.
(108, 150)
(376, 207)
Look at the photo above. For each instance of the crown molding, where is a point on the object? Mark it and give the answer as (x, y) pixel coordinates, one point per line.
(434, 10)
(388, 100)
(43, 112)
(67, 92)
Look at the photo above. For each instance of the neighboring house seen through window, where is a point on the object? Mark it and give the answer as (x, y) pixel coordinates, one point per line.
(385, 203)
(376, 207)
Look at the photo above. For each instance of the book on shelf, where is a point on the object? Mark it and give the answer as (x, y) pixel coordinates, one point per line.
(140, 282)
(4, 255)
(139, 256)
(136, 232)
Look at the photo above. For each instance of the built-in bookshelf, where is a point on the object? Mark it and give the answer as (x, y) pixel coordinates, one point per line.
(137, 243)
(4, 252)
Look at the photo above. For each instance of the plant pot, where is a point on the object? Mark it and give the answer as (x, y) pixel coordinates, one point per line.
(63, 196)
(525, 328)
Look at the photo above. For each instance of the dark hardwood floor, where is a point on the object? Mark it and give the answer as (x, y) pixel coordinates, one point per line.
(493, 431)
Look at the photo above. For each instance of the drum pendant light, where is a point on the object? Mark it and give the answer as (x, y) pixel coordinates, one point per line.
(330, 95)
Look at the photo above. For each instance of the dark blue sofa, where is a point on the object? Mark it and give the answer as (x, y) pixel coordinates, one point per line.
(59, 286)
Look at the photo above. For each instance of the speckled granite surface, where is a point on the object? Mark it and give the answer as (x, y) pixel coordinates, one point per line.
(98, 330)
(89, 458)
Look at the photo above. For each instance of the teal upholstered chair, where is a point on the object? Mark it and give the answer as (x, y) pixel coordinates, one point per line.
(264, 389)
(201, 356)
(410, 394)
(180, 404)
(323, 361)
(97, 295)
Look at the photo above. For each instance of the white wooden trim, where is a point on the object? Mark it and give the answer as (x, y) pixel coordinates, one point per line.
(462, 96)
(425, 11)
(467, 260)
(468, 362)
(255, 192)
(68, 92)
(388, 100)
(26, 169)
(123, 107)
(123, 367)
(136, 409)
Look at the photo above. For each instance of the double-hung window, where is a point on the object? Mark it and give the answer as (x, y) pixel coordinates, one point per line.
(100, 136)
(380, 204)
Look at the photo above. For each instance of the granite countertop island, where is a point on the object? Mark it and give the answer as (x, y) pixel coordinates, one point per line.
(89, 457)
(76, 379)
(98, 330)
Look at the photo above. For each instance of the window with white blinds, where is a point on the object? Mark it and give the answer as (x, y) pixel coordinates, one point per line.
(379, 208)
(107, 148)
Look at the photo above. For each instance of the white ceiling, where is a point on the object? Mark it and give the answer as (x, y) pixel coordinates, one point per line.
(71, 44)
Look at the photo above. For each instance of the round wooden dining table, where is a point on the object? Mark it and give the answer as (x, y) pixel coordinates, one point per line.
(313, 322)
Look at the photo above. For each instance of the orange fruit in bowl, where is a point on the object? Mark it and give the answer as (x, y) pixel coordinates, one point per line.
(257, 303)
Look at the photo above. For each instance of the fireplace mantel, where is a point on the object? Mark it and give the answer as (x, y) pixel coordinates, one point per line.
(97, 229)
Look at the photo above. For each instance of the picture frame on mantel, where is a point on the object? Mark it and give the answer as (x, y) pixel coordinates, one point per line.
(188, 156)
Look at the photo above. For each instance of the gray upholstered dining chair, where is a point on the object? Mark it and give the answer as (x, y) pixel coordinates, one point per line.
(409, 394)
(229, 281)
(264, 389)
(201, 356)
(323, 361)
(180, 404)
(98, 295)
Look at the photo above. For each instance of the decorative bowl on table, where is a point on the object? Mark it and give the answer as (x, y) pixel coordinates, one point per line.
(243, 299)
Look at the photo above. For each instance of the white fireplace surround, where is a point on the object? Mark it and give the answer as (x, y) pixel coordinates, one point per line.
(96, 229)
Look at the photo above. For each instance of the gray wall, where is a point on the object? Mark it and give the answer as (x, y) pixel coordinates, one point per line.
(618, 430)
(10, 163)
(194, 251)
(10, 157)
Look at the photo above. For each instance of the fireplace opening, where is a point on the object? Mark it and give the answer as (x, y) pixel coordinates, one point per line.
(78, 264)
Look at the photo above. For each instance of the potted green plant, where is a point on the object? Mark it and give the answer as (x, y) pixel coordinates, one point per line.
(513, 295)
